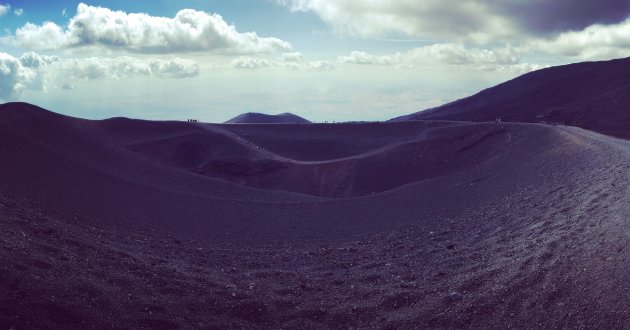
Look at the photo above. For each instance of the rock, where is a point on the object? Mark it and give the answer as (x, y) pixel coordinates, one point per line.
(455, 296)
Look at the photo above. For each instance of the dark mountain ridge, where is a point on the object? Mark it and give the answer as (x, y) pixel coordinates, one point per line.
(261, 118)
(590, 95)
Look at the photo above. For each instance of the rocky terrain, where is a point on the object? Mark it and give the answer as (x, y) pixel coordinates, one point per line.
(423, 224)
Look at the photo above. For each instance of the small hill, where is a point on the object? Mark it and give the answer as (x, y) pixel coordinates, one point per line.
(261, 118)
(590, 95)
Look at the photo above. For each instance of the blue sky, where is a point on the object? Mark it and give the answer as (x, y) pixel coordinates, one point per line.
(322, 59)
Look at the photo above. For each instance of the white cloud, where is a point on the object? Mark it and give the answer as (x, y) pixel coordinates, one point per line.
(247, 62)
(293, 57)
(291, 61)
(94, 68)
(47, 36)
(189, 30)
(458, 54)
(19, 74)
(358, 57)
(596, 42)
(4, 9)
(174, 68)
(18, 11)
(98, 68)
(571, 29)
(297, 61)
(318, 66)
(13, 77)
(454, 55)
(467, 20)
(36, 61)
(37, 72)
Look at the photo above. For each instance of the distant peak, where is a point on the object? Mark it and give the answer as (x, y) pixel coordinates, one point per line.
(261, 118)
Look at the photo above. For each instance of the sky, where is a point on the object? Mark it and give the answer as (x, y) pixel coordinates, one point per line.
(325, 60)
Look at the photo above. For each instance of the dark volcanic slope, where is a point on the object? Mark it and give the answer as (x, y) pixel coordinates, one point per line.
(260, 118)
(106, 224)
(142, 175)
(393, 156)
(591, 95)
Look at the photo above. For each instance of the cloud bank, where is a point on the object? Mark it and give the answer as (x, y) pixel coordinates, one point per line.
(453, 55)
(291, 61)
(37, 72)
(98, 68)
(573, 29)
(464, 20)
(188, 31)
